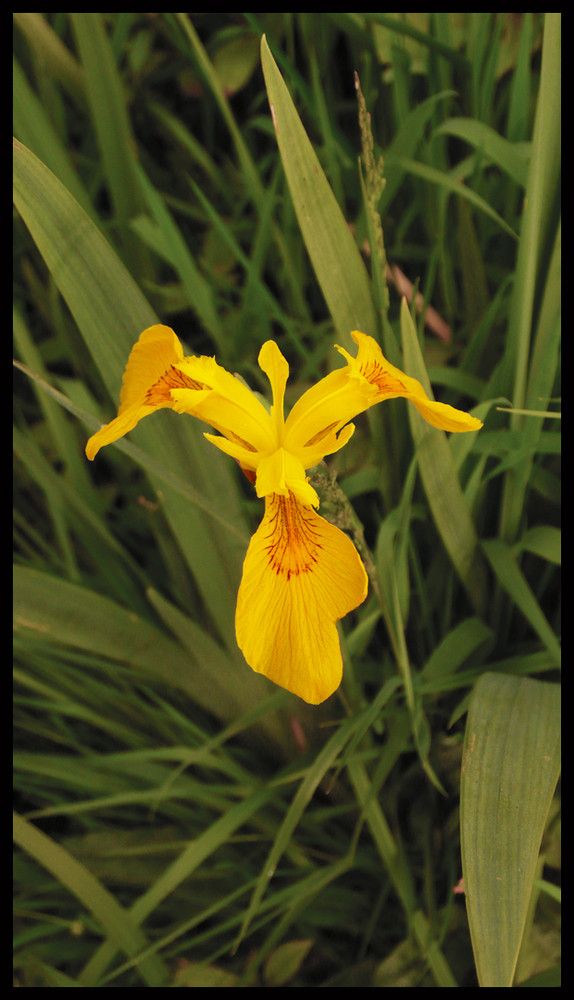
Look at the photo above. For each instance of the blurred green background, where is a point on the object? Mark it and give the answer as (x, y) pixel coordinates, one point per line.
(178, 820)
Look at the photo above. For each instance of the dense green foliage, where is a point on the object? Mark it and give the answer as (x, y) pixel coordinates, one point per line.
(179, 820)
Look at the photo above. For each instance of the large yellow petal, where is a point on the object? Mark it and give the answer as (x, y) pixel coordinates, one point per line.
(300, 576)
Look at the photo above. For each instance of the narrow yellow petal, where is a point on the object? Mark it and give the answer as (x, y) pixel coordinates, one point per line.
(328, 443)
(239, 450)
(272, 362)
(300, 576)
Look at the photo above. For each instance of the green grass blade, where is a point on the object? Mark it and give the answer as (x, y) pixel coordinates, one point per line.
(510, 768)
(542, 195)
(194, 855)
(209, 74)
(541, 192)
(157, 469)
(510, 576)
(494, 147)
(163, 236)
(452, 184)
(441, 483)
(323, 761)
(106, 98)
(53, 611)
(113, 918)
(334, 254)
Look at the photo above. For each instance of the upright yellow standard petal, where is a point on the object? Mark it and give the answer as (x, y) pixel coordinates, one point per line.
(300, 576)
(272, 362)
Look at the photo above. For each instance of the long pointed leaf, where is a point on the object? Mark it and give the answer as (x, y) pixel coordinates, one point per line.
(334, 254)
(111, 312)
(441, 482)
(510, 768)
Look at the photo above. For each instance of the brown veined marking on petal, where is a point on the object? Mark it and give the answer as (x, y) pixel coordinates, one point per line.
(293, 542)
(383, 380)
(232, 436)
(320, 435)
(173, 378)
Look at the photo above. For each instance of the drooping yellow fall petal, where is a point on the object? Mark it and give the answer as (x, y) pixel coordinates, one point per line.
(300, 576)
(372, 367)
(151, 373)
(153, 354)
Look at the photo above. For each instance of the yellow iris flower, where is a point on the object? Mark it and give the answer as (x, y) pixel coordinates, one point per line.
(301, 574)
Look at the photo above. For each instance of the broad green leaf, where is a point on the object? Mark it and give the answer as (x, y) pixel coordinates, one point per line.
(197, 974)
(52, 54)
(511, 764)
(441, 482)
(334, 254)
(33, 126)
